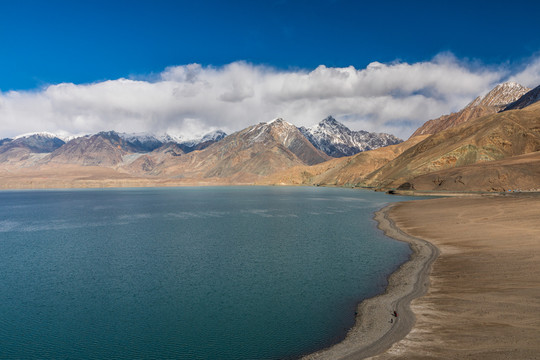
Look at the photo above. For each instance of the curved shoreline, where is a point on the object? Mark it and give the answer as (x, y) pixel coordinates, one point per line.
(373, 331)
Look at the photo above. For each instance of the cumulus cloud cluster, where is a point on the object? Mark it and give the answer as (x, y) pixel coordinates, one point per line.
(190, 100)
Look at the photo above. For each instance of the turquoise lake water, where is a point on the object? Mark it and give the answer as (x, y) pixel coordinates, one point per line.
(187, 273)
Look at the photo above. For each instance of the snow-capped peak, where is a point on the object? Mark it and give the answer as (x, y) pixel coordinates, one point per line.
(329, 120)
(43, 134)
(501, 95)
(64, 136)
(145, 137)
(142, 136)
(39, 142)
(215, 135)
(278, 121)
(337, 140)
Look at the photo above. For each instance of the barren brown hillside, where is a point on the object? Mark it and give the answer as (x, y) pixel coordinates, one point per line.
(489, 138)
(494, 101)
(516, 173)
(243, 157)
(342, 171)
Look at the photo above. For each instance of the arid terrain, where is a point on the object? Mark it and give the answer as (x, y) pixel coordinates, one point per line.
(483, 301)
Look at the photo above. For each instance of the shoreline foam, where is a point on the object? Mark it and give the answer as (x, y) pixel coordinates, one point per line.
(373, 331)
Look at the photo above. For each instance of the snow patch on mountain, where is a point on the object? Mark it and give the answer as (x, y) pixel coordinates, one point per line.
(527, 99)
(337, 140)
(501, 95)
(211, 136)
(279, 121)
(43, 134)
(39, 142)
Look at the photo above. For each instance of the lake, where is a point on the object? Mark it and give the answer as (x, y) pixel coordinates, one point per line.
(187, 273)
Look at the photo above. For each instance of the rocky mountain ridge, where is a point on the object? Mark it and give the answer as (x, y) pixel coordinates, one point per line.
(337, 140)
(501, 95)
(21, 147)
(494, 101)
(491, 138)
(37, 142)
(114, 149)
(527, 99)
(242, 157)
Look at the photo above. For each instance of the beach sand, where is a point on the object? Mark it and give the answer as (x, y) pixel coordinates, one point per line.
(376, 328)
(484, 298)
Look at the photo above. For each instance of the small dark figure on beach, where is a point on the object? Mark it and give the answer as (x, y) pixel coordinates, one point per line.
(391, 321)
(395, 313)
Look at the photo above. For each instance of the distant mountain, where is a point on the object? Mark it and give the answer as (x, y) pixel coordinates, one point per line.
(106, 148)
(141, 142)
(257, 151)
(337, 140)
(527, 99)
(109, 148)
(144, 142)
(242, 157)
(202, 143)
(154, 162)
(494, 101)
(37, 143)
(22, 146)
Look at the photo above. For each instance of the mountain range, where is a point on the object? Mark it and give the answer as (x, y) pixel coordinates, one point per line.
(336, 140)
(147, 154)
(454, 156)
(492, 144)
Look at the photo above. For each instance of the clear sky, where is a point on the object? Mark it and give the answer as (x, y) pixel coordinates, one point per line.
(46, 43)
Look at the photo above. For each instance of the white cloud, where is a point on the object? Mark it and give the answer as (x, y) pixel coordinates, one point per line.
(192, 99)
(530, 76)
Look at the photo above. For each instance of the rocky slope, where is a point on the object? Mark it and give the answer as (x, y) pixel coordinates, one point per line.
(337, 140)
(344, 171)
(102, 149)
(141, 142)
(516, 173)
(153, 162)
(22, 147)
(528, 99)
(496, 137)
(494, 101)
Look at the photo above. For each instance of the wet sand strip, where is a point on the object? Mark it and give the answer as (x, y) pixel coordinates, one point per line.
(376, 329)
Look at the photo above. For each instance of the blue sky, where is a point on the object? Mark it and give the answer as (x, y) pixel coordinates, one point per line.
(47, 43)
(85, 41)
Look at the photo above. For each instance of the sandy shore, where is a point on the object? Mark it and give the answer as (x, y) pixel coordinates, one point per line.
(483, 300)
(484, 297)
(376, 329)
